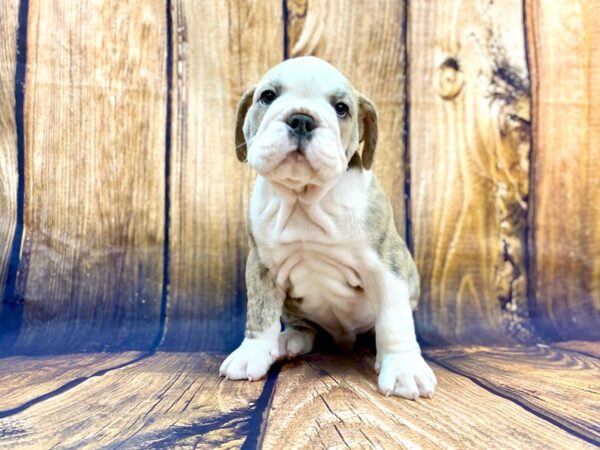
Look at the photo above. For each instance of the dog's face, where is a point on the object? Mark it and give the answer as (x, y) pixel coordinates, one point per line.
(302, 124)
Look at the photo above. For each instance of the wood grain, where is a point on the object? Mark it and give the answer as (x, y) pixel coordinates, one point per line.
(564, 43)
(91, 268)
(365, 42)
(177, 400)
(469, 145)
(332, 402)
(222, 49)
(25, 378)
(585, 347)
(560, 385)
(9, 10)
(169, 400)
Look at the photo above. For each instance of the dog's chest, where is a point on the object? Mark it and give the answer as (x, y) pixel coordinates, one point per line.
(318, 253)
(332, 292)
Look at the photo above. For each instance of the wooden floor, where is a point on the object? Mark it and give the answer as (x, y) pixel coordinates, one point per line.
(519, 397)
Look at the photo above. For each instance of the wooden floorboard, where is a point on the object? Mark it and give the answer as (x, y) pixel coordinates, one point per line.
(503, 398)
(561, 385)
(168, 400)
(25, 378)
(585, 347)
(332, 402)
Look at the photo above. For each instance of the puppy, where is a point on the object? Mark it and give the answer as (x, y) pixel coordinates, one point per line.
(324, 251)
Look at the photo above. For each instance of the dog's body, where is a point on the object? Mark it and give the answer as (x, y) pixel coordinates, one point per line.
(324, 248)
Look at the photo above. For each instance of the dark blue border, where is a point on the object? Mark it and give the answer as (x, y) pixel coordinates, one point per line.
(406, 127)
(67, 387)
(258, 419)
(165, 285)
(286, 37)
(11, 315)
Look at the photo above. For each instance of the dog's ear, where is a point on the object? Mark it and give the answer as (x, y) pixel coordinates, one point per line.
(240, 141)
(367, 125)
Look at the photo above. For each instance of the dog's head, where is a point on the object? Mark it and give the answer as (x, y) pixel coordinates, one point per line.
(302, 124)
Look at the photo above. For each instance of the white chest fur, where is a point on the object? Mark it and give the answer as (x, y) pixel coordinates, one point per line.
(319, 251)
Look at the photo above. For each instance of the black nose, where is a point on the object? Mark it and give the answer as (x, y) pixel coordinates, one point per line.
(301, 124)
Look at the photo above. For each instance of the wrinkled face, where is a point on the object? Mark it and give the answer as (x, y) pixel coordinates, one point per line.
(302, 124)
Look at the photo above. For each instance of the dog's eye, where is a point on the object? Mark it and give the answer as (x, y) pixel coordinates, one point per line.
(267, 97)
(341, 109)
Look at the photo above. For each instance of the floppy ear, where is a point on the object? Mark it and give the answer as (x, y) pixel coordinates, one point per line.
(240, 141)
(367, 125)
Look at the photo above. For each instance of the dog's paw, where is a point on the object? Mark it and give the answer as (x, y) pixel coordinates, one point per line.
(405, 374)
(293, 343)
(250, 361)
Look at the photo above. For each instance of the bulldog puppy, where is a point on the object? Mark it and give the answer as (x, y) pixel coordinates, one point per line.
(324, 251)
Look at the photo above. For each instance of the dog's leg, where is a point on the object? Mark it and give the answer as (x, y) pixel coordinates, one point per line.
(260, 347)
(298, 336)
(402, 370)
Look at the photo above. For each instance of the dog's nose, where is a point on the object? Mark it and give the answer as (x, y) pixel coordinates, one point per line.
(301, 124)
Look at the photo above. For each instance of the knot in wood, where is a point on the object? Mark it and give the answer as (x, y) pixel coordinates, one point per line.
(450, 79)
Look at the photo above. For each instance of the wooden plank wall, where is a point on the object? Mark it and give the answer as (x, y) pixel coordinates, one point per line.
(469, 147)
(8, 135)
(91, 265)
(217, 58)
(134, 205)
(566, 173)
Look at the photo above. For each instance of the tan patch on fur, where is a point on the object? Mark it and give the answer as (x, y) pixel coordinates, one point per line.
(367, 122)
(244, 105)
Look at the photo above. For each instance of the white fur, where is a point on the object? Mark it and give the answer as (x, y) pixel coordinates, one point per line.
(252, 359)
(319, 251)
(293, 343)
(307, 215)
(269, 149)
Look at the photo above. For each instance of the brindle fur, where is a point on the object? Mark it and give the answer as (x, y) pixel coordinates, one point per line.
(265, 298)
(391, 248)
(292, 317)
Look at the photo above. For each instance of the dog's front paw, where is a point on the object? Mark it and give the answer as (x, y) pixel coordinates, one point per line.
(295, 342)
(250, 361)
(405, 374)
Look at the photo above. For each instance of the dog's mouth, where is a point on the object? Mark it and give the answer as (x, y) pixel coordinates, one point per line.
(297, 156)
(295, 171)
(297, 153)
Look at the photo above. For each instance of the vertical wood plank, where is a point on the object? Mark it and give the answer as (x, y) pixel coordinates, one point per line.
(564, 43)
(9, 10)
(91, 269)
(365, 42)
(469, 145)
(222, 49)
